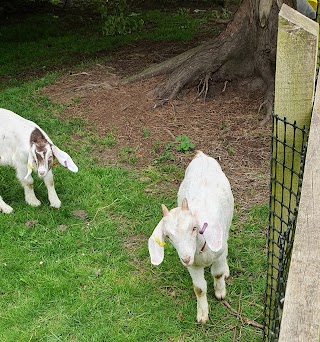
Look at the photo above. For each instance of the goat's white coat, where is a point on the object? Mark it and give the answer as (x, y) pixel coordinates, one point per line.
(15, 151)
(204, 197)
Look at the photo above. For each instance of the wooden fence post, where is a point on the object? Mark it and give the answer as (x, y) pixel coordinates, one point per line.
(297, 50)
(301, 312)
(296, 61)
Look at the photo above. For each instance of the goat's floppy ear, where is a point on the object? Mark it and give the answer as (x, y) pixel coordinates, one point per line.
(64, 159)
(156, 245)
(214, 235)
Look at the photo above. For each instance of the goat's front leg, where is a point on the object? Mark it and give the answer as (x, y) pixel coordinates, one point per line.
(4, 207)
(219, 272)
(52, 194)
(27, 184)
(200, 289)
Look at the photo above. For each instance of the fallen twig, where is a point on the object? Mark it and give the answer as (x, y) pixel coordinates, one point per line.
(102, 208)
(170, 133)
(243, 320)
(239, 307)
(234, 337)
(80, 73)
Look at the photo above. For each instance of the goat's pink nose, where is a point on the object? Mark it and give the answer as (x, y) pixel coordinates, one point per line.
(186, 260)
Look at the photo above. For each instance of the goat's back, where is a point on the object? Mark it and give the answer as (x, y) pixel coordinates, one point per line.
(207, 190)
(12, 123)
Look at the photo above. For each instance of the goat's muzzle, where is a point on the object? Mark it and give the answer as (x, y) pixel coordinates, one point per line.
(187, 261)
(42, 173)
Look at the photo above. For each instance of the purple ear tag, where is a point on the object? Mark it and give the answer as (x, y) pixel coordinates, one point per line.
(201, 231)
(65, 164)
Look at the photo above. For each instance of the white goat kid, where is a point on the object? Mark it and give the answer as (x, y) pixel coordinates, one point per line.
(199, 228)
(26, 147)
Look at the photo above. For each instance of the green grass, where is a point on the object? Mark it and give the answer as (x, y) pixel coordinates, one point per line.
(67, 278)
(42, 43)
(71, 279)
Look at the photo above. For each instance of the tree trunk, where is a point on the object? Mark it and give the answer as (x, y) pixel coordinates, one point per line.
(246, 47)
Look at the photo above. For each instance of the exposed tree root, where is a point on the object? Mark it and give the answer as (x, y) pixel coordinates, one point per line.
(224, 87)
(219, 58)
(267, 104)
(205, 86)
(164, 67)
(245, 47)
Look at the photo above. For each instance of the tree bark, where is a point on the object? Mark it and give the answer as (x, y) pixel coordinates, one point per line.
(245, 48)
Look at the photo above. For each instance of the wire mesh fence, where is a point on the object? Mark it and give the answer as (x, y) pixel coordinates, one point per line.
(288, 151)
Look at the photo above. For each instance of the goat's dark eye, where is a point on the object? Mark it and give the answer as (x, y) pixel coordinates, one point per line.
(194, 229)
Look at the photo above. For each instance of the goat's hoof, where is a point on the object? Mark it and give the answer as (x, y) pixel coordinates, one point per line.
(56, 204)
(220, 294)
(203, 320)
(7, 209)
(202, 317)
(34, 203)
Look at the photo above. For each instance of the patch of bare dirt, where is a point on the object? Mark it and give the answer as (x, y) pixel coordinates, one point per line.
(225, 125)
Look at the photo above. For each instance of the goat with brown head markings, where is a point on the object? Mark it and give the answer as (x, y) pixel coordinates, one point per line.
(26, 147)
(41, 154)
